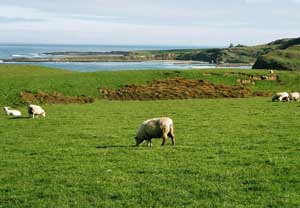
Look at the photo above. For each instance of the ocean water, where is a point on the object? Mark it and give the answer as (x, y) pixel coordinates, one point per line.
(38, 50)
(118, 66)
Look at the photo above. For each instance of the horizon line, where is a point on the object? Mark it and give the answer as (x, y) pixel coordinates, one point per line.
(113, 44)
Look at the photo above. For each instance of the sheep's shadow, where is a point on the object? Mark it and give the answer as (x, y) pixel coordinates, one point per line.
(19, 117)
(115, 146)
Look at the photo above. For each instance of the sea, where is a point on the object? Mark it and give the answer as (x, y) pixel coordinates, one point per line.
(40, 50)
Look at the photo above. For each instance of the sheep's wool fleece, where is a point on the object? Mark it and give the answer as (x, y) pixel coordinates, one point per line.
(155, 127)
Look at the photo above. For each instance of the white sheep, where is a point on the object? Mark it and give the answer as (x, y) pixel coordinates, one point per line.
(155, 128)
(10, 112)
(281, 96)
(35, 110)
(295, 96)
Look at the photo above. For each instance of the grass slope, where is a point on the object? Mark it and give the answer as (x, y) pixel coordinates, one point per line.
(283, 59)
(229, 153)
(17, 78)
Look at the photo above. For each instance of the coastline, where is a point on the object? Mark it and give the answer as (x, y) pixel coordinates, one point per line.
(105, 59)
(84, 59)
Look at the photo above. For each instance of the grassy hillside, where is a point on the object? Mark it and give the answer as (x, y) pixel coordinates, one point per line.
(283, 59)
(245, 55)
(229, 153)
(17, 78)
(237, 54)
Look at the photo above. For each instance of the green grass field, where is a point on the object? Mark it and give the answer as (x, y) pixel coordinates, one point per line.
(17, 78)
(229, 152)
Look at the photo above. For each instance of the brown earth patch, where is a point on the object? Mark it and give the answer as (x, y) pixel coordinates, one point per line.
(176, 88)
(262, 94)
(55, 98)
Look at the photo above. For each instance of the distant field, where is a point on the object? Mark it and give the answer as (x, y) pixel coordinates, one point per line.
(17, 78)
(229, 153)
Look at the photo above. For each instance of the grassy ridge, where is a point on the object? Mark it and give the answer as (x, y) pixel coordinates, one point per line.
(17, 78)
(287, 59)
(229, 153)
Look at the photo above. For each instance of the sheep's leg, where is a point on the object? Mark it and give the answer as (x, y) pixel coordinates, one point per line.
(165, 137)
(171, 134)
(149, 143)
(139, 142)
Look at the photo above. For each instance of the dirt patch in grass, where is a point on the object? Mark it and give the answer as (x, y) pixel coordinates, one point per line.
(54, 98)
(177, 88)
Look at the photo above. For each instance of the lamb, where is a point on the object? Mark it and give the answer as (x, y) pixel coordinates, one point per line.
(155, 128)
(281, 96)
(14, 113)
(295, 96)
(35, 110)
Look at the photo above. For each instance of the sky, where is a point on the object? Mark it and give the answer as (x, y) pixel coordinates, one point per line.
(149, 22)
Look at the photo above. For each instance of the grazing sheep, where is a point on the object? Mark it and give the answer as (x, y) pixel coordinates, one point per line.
(35, 110)
(295, 96)
(155, 128)
(281, 96)
(9, 112)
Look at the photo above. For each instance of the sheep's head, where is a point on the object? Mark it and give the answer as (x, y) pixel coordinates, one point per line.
(44, 114)
(138, 140)
(275, 97)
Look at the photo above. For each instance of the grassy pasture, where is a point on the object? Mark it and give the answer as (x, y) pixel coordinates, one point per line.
(229, 153)
(17, 78)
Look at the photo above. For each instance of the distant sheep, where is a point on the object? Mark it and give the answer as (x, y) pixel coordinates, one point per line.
(281, 96)
(155, 128)
(295, 96)
(35, 110)
(10, 112)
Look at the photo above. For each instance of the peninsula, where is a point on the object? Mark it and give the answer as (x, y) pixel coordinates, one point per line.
(281, 54)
